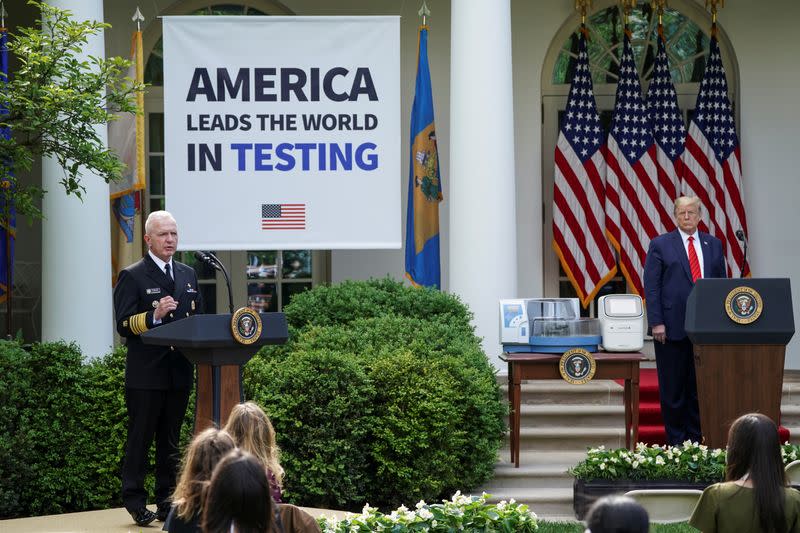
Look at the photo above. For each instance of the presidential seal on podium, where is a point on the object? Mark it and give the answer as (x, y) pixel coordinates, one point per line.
(246, 325)
(743, 305)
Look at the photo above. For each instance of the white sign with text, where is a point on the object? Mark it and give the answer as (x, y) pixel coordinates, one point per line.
(283, 132)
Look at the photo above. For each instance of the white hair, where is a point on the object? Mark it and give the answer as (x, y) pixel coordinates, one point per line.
(157, 215)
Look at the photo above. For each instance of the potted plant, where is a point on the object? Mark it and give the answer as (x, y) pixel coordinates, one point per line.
(690, 465)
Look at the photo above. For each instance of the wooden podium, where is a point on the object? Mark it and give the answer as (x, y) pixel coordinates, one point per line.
(739, 365)
(207, 341)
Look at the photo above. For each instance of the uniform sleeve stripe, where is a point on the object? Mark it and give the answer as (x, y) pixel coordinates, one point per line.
(139, 323)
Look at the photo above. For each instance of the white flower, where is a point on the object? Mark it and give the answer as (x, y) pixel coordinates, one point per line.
(425, 514)
(659, 460)
(602, 466)
(677, 459)
(421, 504)
(635, 464)
(501, 505)
(694, 457)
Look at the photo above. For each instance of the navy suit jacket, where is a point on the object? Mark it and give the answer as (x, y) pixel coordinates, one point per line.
(668, 278)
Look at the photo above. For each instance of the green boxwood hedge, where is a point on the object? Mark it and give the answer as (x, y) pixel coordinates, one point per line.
(425, 417)
(382, 395)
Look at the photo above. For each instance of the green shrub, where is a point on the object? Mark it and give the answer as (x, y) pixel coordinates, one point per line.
(63, 424)
(43, 467)
(350, 300)
(320, 404)
(426, 395)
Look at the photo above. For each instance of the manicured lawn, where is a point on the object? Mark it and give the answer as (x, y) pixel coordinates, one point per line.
(565, 527)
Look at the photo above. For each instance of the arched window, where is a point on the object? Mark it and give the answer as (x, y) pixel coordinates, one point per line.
(687, 46)
(154, 70)
(687, 31)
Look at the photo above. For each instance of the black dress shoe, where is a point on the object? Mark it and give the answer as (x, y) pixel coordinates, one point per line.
(143, 516)
(163, 512)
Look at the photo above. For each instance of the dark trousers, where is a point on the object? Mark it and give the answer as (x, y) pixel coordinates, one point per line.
(677, 387)
(152, 414)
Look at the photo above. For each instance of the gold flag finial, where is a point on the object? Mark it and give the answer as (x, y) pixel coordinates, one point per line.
(626, 6)
(582, 6)
(713, 5)
(659, 6)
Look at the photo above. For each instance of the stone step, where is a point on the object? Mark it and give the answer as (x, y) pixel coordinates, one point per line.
(565, 458)
(506, 476)
(790, 415)
(559, 392)
(547, 503)
(539, 415)
(570, 438)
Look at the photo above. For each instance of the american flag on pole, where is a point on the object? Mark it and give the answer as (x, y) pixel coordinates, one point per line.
(669, 132)
(579, 236)
(283, 216)
(713, 161)
(633, 203)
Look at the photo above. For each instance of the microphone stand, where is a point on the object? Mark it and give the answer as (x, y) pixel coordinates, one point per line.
(213, 261)
(744, 260)
(741, 236)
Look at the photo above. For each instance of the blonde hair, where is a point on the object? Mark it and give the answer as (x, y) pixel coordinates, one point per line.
(687, 201)
(202, 455)
(252, 431)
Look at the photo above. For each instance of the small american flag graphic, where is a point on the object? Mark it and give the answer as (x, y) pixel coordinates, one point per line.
(283, 216)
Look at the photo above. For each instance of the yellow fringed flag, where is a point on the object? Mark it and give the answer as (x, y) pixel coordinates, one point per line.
(126, 139)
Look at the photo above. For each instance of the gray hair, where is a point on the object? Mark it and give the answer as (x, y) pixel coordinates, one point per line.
(157, 215)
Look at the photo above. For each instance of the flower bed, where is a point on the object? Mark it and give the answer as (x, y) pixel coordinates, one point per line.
(461, 513)
(690, 465)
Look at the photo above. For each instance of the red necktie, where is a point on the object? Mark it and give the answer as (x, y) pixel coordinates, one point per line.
(694, 263)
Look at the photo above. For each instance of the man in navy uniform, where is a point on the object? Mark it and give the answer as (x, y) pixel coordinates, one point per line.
(154, 291)
(675, 261)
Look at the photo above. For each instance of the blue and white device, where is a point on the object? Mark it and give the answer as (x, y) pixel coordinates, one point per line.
(548, 325)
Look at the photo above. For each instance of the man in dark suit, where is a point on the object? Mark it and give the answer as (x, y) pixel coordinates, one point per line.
(674, 262)
(154, 291)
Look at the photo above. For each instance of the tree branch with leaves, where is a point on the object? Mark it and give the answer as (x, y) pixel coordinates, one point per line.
(55, 101)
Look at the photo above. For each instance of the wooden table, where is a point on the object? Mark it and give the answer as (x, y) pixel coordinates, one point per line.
(524, 366)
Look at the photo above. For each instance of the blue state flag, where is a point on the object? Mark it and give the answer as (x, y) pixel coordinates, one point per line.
(8, 216)
(424, 183)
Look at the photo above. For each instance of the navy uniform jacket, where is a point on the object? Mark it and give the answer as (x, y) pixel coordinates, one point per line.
(138, 288)
(668, 278)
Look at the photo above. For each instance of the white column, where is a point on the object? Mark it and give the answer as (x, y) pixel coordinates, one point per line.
(76, 243)
(483, 256)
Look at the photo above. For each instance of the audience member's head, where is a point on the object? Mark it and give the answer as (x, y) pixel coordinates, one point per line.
(754, 455)
(238, 498)
(203, 454)
(252, 431)
(617, 514)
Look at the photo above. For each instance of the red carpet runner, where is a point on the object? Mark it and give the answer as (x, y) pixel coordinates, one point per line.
(651, 425)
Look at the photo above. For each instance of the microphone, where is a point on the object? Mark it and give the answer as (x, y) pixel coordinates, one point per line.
(204, 258)
(213, 261)
(741, 236)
